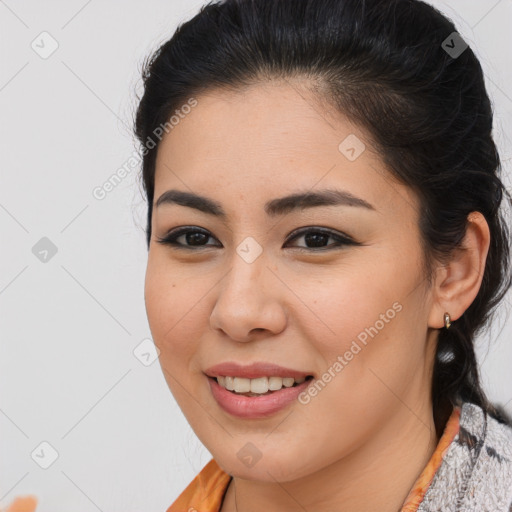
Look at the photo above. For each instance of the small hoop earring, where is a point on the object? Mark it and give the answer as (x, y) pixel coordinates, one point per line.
(447, 320)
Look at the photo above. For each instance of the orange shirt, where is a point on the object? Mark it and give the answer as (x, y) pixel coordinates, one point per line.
(206, 492)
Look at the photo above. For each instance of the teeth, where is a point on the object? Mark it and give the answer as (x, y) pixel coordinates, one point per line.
(241, 385)
(275, 383)
(260, 386)
(288, 382)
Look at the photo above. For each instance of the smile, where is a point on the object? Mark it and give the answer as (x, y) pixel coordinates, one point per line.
(262, 404)
(259, 386)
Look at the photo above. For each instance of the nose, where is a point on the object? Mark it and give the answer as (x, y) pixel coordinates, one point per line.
(249, 301)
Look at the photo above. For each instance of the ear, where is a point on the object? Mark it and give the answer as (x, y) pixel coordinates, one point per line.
(457, 283)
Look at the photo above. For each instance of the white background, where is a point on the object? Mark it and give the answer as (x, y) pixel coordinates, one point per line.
(68, 375)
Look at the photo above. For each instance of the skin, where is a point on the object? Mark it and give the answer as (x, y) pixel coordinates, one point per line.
(361, 443)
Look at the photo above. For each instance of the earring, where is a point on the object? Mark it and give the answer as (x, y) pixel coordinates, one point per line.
(447, 319)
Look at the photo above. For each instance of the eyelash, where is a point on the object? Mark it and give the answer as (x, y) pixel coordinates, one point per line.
(173, 235)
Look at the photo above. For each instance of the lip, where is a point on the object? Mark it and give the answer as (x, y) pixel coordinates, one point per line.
(252, 407)
(254, 370)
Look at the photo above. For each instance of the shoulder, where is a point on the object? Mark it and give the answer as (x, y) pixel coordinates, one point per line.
(487, 439)
(499, 433)
(476, 472)
(491, 459)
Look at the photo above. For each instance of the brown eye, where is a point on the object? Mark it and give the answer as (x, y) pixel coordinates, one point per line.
(194, 237)
(317, 237)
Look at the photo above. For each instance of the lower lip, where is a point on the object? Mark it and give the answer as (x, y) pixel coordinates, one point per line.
(255, 406)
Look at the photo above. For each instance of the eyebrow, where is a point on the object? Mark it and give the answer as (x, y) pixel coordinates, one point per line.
(273, 208)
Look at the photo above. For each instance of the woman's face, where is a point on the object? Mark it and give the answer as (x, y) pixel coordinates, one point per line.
(241, 289)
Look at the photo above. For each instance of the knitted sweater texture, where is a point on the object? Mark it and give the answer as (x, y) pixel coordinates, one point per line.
(476, 472)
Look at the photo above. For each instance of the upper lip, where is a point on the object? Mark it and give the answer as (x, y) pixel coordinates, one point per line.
(253, 370)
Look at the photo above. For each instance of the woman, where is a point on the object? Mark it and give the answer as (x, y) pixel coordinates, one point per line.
(326, 375)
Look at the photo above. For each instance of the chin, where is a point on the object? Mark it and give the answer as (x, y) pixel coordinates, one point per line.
(281, 467)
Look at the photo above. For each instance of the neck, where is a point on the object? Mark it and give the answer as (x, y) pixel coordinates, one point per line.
(376, 476)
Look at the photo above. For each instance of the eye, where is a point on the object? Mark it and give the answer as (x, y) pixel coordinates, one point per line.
(316, 237)
(192, 235)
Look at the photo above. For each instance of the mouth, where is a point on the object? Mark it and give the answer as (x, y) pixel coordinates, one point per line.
(257, 402)
(261, 386)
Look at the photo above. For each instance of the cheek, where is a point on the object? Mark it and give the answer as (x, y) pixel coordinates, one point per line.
(347, 307)
(173, 307)
(176, 318)
(359, 325)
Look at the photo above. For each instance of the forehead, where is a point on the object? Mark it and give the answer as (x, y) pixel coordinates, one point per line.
(270, 138)
(279, 119)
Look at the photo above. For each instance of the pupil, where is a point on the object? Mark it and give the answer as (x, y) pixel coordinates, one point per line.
(193, 236)
(314, 237)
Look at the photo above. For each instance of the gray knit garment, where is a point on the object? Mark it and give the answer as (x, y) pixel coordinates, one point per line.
(476, 472)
